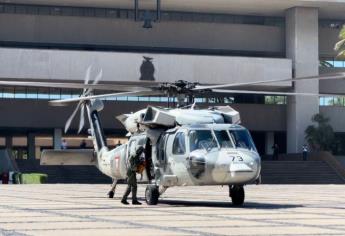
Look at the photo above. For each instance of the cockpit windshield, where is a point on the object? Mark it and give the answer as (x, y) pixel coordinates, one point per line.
(201, 139)
(223, 139)
(242, 139)
(208, 139)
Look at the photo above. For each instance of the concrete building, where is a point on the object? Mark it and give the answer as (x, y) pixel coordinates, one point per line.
(219, 41)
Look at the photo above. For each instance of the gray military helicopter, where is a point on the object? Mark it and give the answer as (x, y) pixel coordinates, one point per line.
(184, 146)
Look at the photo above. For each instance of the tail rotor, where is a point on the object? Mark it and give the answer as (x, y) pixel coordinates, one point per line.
(82, 104)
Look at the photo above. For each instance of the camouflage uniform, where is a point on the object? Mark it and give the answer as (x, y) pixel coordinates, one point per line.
(134, 161)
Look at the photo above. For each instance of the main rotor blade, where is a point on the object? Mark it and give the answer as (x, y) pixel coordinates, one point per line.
(80, 99)
(82, 118)
(97, 79)
(275, 93)
(87, 78)
(87, 75)
(108, 87)
(322, 77)
(69, 121)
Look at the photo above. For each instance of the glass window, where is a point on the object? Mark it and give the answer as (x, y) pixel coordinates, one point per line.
(31, 93)
(66, 11)
(100, 12)
(154, 99)
(54, 93)
(20, 9)
(223, 138)
(8, 93)
(179, 145)
(43, 93)
(9, 9)
(44, 11)
(338, 64)
(19, 93)
(132, 98)
(161, 147)
(242, 139)
(201, 139)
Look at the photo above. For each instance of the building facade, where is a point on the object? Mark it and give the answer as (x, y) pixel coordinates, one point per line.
(211, 42)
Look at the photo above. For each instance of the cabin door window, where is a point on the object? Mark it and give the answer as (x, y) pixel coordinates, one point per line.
(179, 145)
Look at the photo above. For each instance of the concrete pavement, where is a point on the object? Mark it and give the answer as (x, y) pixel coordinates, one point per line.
(85, 210)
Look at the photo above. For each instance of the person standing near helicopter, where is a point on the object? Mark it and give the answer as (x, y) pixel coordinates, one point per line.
(134, 163)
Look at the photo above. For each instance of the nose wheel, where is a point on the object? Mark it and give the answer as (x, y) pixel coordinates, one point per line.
(151, 194)
(237, 195)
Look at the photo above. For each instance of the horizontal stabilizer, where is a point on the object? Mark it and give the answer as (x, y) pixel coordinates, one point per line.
(71, 157)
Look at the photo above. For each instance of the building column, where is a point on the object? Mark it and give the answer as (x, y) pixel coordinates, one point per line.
(31, 146)
(57, 138)
(8, 142)
(269, 142)
(302, 46)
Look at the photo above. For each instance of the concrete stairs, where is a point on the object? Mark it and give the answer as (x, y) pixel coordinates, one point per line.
(65, 174)
(299, 172)
(273, 172)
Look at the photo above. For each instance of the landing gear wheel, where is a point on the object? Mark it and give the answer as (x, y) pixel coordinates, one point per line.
(237, 195)
(111, 194)
(151, 195)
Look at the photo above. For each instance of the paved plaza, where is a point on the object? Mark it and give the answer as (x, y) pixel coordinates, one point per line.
(85, 210)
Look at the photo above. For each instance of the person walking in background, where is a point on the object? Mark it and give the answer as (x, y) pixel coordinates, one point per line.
(305, 152)
(275, 148)
(118, 144)
(82, 144)
(64, 144)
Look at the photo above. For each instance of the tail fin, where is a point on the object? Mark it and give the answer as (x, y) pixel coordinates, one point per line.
(93, 107)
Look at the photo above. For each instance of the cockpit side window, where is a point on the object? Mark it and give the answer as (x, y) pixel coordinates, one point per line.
(242, 139)
(201, 139)
(179, 145)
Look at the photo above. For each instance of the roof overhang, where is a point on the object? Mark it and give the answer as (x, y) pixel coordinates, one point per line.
(333, 9)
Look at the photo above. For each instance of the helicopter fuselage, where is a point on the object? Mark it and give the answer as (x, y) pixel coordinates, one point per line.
(213, 154)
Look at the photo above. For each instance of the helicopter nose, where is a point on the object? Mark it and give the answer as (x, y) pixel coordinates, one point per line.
(236, 167)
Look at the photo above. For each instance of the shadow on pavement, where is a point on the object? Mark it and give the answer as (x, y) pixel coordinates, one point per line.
(247, 205)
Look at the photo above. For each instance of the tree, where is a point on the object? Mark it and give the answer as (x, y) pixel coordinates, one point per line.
(340, 46)
(320, 136)
(325, 63)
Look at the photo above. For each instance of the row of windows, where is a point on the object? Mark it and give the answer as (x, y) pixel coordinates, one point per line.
(334, 24)
(332, 101)
(129, 14)
(38, 94)
(166, 16)
(332, 63)
(49, 94)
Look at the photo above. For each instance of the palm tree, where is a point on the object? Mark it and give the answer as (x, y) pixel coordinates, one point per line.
(340, 46)
(321, 135)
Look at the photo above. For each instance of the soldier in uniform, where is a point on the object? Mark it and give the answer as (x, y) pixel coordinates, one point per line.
(134, 162)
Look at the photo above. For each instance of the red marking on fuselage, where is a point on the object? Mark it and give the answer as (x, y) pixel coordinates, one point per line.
(117, 162)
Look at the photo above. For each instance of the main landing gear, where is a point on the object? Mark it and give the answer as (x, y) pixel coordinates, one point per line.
(152, 194)
(236, 192)
(111, 193)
